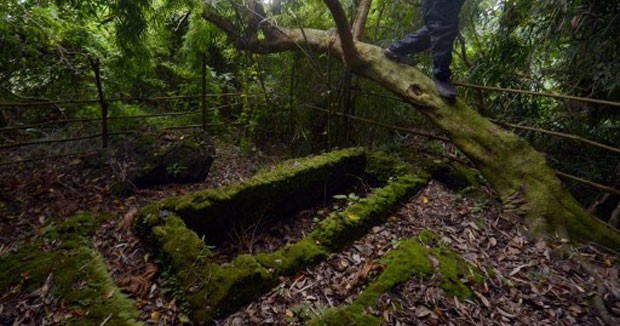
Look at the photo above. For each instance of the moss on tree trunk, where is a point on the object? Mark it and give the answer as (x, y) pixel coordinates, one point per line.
(510, 164)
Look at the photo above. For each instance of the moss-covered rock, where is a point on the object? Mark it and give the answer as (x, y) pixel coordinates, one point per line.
(176, 227)
(152, 160)
(80, 277)
(341, 228)
(269, 195)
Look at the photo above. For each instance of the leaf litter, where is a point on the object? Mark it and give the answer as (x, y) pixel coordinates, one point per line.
(525, 281)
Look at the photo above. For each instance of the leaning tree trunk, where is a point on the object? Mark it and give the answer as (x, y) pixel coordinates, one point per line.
(510, 164)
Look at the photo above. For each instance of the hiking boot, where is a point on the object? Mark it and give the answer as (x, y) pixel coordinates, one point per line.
(400, 58)
(446, 89)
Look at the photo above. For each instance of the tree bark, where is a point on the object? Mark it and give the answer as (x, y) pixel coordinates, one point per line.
(510, 164)
(359, 24)
(350, 55)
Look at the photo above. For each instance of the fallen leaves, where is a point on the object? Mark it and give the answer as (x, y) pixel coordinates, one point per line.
(522, 285)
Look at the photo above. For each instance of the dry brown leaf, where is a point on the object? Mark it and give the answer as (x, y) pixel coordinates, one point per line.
(505, 314)
(576, 310)
(109, 294)
(518, 269)
(128, 219)
(422, 312)
(483, 299)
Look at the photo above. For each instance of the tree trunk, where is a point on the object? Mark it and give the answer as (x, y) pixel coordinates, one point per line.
(510, 164)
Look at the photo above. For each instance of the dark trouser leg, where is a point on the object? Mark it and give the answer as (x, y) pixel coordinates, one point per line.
(413, 43)
(442, 21)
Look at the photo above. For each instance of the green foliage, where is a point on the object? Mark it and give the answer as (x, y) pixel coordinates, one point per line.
(567, 47)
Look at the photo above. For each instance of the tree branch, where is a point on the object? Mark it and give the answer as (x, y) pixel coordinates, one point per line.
(351, 57)
(209, 13)
(359, 24)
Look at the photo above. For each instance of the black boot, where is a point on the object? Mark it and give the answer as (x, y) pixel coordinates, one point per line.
(446, 89)
(400, 58)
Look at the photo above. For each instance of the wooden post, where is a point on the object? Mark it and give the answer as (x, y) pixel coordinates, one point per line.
(204, 91)
(96, 64)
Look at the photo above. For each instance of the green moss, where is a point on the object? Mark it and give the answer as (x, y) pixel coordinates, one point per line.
(454, 271)
(233, 285)
(354, 315)
(294, 184)
(383, 167)
(214, 290)
(466, 174)
(80, 277)
(76, 227)
(426, 236)
(411, 258)
(182, 246)
(340, 229)
(295, 257)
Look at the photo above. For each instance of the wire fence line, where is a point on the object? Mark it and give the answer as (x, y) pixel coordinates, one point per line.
(122, 117)
(65, 140)
(543, 94)
(520, 127)
(105, 134)
(592, 184)
(121, 99)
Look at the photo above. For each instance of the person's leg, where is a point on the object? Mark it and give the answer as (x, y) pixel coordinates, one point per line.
(412, 43)
(442, 20)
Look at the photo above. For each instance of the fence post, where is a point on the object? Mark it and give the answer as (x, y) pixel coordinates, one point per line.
(96, 64)
(204, 91)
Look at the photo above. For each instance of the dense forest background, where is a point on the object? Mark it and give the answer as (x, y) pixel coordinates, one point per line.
(150, 48)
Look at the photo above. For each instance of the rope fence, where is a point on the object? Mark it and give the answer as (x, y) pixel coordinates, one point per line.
(595, 185)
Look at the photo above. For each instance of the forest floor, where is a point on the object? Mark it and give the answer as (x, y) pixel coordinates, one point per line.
(526, 281)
